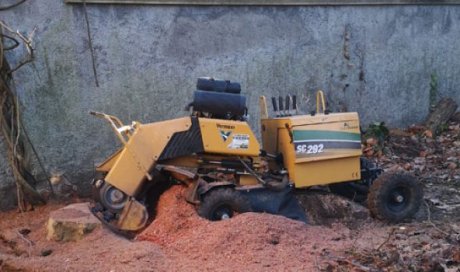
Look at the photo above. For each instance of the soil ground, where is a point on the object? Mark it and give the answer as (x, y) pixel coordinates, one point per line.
(179, 240)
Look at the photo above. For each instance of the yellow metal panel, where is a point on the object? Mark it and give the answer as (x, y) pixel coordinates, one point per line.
(228, 137)
(141, 152)
(319, 149)
(328, 136)
(321, 118)
(106, 165)
(286, 147)
(186, 161)
(325, 172)
(337, 154)
(133, 217)
(248, 180)
(270, 135)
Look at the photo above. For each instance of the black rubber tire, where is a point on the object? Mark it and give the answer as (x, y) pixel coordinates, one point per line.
(350, 190)
(223, 200)
(106, 202)
(383, 193)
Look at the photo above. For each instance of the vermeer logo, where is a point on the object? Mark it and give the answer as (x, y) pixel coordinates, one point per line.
(225, 126)
(225, 134)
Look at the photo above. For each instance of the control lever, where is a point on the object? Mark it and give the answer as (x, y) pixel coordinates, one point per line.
(288, 101)
(275, 107)
(294, 104)
(280, 99)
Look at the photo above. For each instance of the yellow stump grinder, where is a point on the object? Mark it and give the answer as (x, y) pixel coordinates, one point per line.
(216, 154)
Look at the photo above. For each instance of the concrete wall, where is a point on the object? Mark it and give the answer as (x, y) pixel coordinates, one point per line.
(374, 60)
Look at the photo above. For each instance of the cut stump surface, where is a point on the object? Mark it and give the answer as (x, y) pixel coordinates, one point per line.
(71, 223)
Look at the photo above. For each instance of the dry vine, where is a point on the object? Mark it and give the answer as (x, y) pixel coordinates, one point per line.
(10, 122)
(26, 41)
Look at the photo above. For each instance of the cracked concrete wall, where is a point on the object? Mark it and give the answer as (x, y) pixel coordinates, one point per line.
(375, 60)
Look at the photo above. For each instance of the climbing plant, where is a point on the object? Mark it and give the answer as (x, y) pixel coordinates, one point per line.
(14, 134)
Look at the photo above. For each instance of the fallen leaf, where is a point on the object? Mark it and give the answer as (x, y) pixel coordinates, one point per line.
(407, 166)
(428, 133)
(456, 256)
(371, 141)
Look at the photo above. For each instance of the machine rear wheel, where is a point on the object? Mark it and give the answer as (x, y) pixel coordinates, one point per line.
(395, 197)
(223, 203)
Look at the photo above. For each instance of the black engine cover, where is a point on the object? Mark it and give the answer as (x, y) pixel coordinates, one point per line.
(216, 85)
(220, 104)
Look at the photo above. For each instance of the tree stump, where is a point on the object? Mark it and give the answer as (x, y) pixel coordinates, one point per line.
(71, 223)
(327, 208)
(440, 115)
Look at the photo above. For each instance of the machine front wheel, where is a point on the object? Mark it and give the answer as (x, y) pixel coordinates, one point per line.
(111, 198)
(223, 203)
(395, 197)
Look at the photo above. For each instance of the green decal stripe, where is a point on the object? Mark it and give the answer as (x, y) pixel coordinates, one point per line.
(302, 135)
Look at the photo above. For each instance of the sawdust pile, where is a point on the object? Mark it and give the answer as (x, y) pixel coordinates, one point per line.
(248, 241)
(24, 247)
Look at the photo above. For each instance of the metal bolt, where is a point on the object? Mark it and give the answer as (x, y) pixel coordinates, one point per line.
(117, 196)
(399, 198)
(98, 183)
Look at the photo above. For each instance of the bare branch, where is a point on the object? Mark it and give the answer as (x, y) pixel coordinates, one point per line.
(28, 43)
(12, 5)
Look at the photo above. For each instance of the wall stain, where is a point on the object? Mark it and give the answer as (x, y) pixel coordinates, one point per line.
(346, 42)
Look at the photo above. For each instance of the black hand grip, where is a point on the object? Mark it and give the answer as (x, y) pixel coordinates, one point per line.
(96, 113)
(275, 108)
(288, 101)
(281, 103)
(294, 102)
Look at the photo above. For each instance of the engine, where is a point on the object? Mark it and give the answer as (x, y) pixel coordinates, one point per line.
(219, 99)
